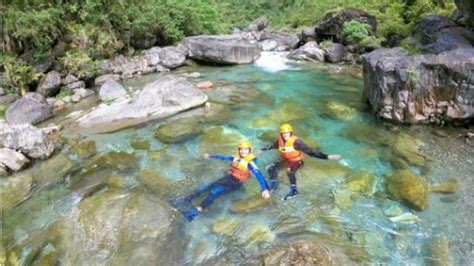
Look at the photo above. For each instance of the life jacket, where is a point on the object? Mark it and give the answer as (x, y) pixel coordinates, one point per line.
(288, 151)
(239, 168)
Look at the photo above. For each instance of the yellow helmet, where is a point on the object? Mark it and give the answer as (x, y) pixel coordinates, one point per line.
(286, 128)
(245, 144)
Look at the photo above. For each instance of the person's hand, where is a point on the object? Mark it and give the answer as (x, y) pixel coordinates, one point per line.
(206, 156)
(266, 194)
(334, 157)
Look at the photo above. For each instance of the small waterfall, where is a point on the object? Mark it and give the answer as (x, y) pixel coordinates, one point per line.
(273, 61)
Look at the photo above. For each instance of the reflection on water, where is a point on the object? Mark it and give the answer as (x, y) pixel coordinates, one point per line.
(343, 205)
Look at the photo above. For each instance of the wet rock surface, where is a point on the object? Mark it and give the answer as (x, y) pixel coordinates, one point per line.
(32, 109)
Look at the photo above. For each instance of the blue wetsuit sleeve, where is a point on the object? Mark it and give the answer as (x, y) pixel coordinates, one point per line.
(254, 169)
(221, 158)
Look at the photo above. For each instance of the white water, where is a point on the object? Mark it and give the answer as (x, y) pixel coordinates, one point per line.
(273, 61)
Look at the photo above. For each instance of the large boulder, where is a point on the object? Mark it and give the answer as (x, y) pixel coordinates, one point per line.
(12, 159)
(102, 79)
(335, 53)
(119, 228)
(309, 52)
(171, 57)
(331, 26)
(221, 49)
(285, 41)
(466, 8)
(161, 98)
(420, 88)
(152, 56)
(111, 90)
(49, 84)
(31, 141)
(437, 34)
(32, 109)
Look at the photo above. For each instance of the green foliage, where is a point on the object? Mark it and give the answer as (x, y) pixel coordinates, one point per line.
(326, 44)
(413, 76)
(354, 31)
(63, 93)
(409, 47)
(19, 73)
(3, 109)
(79, 63)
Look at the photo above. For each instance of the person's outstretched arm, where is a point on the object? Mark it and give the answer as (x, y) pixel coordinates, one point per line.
(218, 157)
(270, 147)
(263, 183)
(300, 145)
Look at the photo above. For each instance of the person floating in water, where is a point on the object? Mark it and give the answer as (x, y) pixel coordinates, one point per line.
(291, 149)
(242, 167)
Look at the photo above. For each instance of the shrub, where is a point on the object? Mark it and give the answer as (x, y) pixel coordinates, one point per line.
(354, 31)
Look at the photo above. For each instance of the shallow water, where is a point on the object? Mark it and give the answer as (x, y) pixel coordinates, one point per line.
(261, 97)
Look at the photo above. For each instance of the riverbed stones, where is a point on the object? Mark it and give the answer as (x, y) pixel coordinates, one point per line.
(117, 160)
(203, 85)
(31, 108)
(159, 99)
(227, 226)
(140, 144)
(14, 189)
(360, 183)
(178, 131)
(156, 182)
(340, 111)
(49, 84)
(284, 41)
(309, 52)
(222, 49)
(30, 140)
(84, 149)
(55, 169)
(409, 188)
(438, 252)
(220, 140)
(257, 234)
(297, 253)
(448, 187)
(409, 148)
(111, 90)
(12, 159)
(250, 205)
(335, 53)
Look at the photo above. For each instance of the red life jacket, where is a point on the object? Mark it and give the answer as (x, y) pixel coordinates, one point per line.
(239, 168)
(288, 151)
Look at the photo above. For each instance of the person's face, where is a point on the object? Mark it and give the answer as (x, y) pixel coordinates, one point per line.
(244, 152)
(286, 135)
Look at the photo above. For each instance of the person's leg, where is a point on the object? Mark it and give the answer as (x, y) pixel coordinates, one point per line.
(291, 171)
(273, 173)
(182, 202)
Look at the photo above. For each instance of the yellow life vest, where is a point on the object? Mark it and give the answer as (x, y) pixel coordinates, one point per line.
(239, 168)
(288, 151)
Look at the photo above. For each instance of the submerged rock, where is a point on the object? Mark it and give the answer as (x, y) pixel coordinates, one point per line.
(405, 186)
(298, 253)
(220, 140)
(450, 186)
(156, 182)
(140, 144)
(54, 169)
(360, 182)
(438, 252)
(84, 149)
(161, 98)
(340, 111)
(408, 148)
(14, 189)
(119, 160)
(256, 235)
(227, 226)
(178, 131)
(250, 205)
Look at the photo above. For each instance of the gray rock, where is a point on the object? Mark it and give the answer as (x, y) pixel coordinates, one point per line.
(12, 159)
(153, 56)
(32, 108)
(111, 90)
(221, 49)
(162, 98)
(76, 85)
(285, 41)
(195, 75)
(308, 34)
(49, 84)
(466, 9)
(134, 67)
(30, 140)
(70, 78)
(331, 26)
(44, 65)
(258, 25)
(15, 189)
(102, 79)
(268, 45)
(160, 68)
(51, 100)
(310, 52)
(8, 99)
(3, 171)
(172, 57)
(75, 98)
(437, 34)
(111, 65)
(2, 91)
(335, 53)
(67, 99)
(420, 88)
(84, 93)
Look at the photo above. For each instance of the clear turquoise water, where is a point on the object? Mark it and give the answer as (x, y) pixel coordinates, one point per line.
(299, 94)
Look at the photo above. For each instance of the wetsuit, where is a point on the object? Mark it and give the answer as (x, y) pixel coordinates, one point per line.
(225, 184)
(293, 166)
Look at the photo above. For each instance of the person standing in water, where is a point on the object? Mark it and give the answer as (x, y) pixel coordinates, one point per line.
(241, 168)
(291, 149)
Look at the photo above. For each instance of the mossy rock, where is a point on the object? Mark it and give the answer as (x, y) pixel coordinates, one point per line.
(257, 234)
(14, 189)
(287, 111)
(116, 160)
(54, 169)
(84, 149)
(448, 187)
(250, 205)
(154, 181)
(342, 198)
(404, 185)
(340, 111)
(178, 131)
(360, 182)
(227, 226)
(408, 148)
(220, 140)
(140, 144)
(218, 113)
(438, 252)
(364, 133)
(316, 172)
